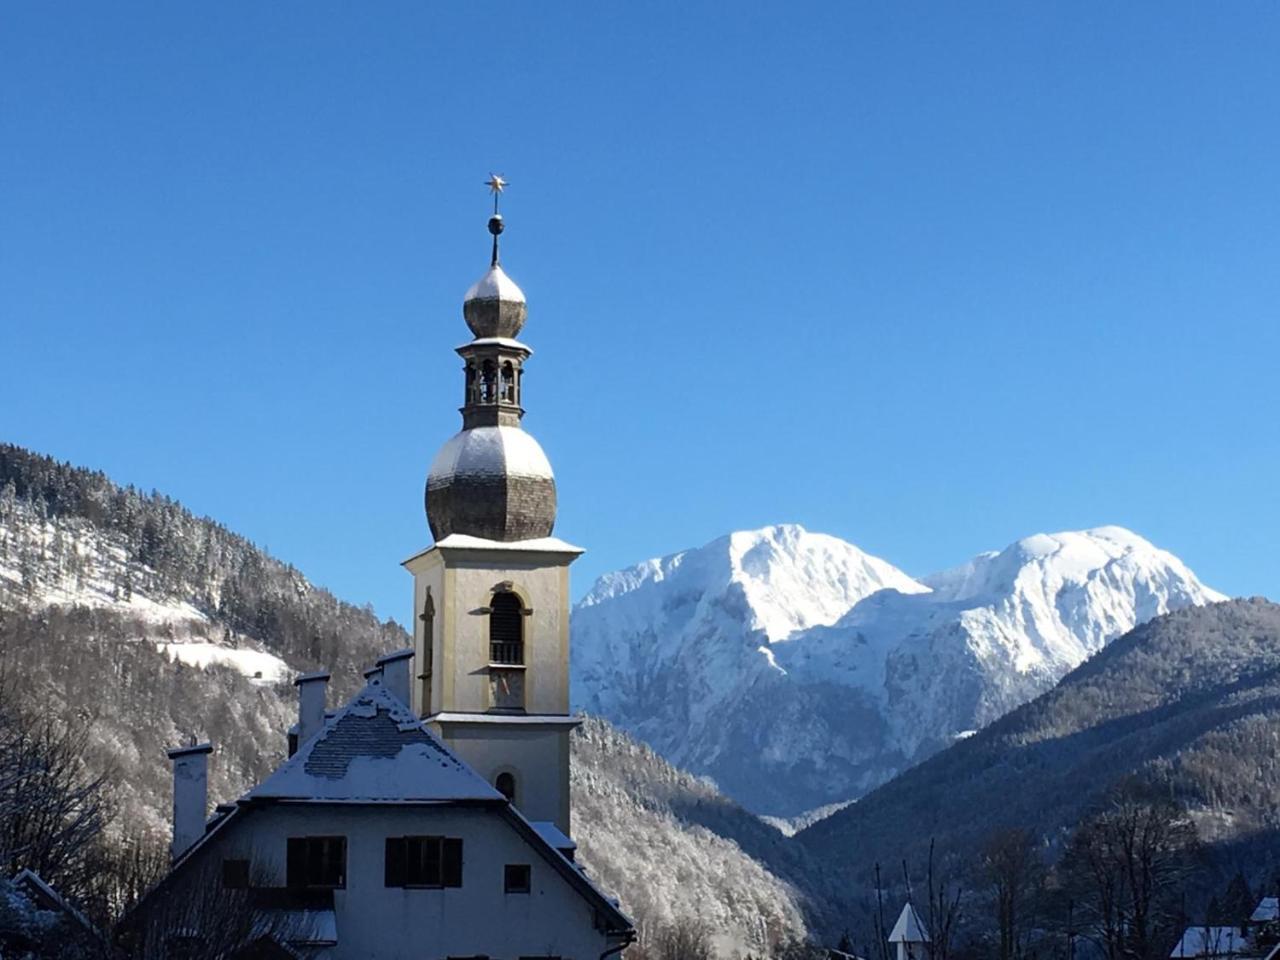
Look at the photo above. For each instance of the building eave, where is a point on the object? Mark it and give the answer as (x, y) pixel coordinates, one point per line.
(504, 719)
(462, 546)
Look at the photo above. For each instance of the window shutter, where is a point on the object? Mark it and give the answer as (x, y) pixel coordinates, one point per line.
(395, 862)
(296, 862)
(452, 862)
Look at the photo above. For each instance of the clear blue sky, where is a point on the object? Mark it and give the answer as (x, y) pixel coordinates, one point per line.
(926, 277)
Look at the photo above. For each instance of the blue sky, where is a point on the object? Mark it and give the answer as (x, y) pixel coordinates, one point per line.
(926, 277)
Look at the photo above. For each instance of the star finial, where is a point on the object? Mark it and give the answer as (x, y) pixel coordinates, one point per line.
(496, 185)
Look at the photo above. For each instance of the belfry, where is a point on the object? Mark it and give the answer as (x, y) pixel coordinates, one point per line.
(491, 595)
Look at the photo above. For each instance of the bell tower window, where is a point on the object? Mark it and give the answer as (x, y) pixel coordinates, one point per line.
(506, 629)
(508, 383)
(488, 382)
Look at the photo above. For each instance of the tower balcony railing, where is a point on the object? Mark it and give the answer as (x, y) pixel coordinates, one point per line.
(506, 652)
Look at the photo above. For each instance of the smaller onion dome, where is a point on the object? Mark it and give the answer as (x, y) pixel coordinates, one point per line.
(491, 482)
(494, 306)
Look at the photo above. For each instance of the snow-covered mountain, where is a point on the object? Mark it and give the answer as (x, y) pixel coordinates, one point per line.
(797, 670)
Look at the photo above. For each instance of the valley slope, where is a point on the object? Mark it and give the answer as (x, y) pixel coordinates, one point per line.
(1189, 702)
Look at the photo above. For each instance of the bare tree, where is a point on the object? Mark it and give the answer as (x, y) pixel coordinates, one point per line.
(881, 931)
(683, 939)
(943, 911)
(52, 812)
(196, 916)
(1014, 872)
(1125, 866)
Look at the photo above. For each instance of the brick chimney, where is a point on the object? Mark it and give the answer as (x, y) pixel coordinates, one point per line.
(311, 696)
(190, 795)
(395, 669)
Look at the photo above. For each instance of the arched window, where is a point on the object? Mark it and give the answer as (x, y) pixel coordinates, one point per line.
(506, 628)
(472, 392)
(508, 383)
(506, 784)
(489, 382)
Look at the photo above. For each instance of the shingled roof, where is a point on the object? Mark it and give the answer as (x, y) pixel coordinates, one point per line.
(374, 750)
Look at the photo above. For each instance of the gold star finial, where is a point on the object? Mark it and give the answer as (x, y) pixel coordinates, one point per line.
(496, 185)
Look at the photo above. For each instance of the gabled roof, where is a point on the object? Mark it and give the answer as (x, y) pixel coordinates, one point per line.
(909, 928)
(374, 750)
(1203, 941)
(1268, 909)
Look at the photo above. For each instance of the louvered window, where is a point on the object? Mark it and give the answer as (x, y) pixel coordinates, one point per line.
(506, 629)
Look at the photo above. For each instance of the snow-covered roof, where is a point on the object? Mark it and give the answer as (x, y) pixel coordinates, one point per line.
(495, 285)
(47, 898)
(1268, 909)
(549, 832)
(490, 452)
(909, 928)
(511, 343)
(1206, 941)
(463, 541)
(506, 719)
(374, 750)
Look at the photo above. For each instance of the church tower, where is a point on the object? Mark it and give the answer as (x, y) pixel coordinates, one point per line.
(491, 595)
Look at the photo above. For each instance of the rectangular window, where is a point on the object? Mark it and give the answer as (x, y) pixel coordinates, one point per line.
(235, 874)
(317, 862)
(423, 862)
(516, 878)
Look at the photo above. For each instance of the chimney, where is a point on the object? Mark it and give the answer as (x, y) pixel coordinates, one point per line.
(311, 691)
(395, 673)
(190, 795)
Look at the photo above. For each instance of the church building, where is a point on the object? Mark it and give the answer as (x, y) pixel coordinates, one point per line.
(429, 816)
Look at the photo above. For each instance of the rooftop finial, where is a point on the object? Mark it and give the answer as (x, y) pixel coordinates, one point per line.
(496, 185)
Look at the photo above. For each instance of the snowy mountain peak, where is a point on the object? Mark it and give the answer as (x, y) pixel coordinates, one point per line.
(1053, 561)
(785, 578)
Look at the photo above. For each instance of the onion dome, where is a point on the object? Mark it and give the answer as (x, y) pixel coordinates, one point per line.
(491, 482)
(494, 306)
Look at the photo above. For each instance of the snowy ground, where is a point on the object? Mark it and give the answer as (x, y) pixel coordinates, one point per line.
(72, 563)
(258, 665)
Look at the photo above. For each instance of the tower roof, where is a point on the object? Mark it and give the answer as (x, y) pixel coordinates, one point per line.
(494, 483)
(492, 479)
(495, 285)
(909, 928)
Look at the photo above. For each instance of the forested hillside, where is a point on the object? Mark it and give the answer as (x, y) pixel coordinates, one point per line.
(1187, 705)
(685, 854)
(71, 534)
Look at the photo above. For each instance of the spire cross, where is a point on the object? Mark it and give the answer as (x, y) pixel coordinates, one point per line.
(496, 185)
